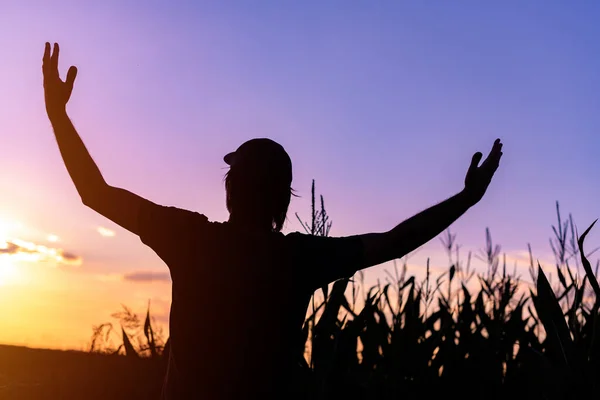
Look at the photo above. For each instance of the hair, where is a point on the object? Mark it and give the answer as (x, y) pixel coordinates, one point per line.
(252, 193)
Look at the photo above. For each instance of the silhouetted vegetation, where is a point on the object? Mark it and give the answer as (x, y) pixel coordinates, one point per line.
(465, 333)
(483, 335)
(479, 334)
(137, 340)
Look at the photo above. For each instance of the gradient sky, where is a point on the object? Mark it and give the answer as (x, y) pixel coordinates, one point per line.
(383, 103)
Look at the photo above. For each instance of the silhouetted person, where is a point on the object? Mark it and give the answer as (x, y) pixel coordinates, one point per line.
(241, 288)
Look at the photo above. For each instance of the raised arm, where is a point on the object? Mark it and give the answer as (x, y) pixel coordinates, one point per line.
(421, 228)
(118, 205)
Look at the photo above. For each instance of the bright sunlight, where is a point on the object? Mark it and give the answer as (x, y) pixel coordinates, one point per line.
(9, 272)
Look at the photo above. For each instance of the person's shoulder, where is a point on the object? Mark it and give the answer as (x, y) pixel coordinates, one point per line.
(200, 224)
(186, 214)
(306, 236)
(187, 218)
(296, 235)
(300, 239)
(306, 241)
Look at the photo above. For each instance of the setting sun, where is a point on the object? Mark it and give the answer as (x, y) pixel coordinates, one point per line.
(9, 273)
(6, 228)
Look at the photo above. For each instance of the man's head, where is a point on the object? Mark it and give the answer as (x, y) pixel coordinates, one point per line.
(258, 183)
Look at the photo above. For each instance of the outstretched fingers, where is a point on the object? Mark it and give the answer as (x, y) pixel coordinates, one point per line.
(54, 56)
(46, 58)
(497, 147)
(50, 60)
(497, 151)
(71, 75)
(493, 159)
(474, 163)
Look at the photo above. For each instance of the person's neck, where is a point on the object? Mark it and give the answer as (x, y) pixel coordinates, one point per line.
(251, 223)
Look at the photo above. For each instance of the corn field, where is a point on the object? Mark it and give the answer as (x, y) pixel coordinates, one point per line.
(464, 333)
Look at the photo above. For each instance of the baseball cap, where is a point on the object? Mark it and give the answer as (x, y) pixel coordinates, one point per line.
(264, 154)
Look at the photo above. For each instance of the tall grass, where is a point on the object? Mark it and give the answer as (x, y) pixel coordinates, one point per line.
(465, 333)
(136, 339)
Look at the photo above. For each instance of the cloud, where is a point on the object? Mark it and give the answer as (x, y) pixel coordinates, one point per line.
(70, 257)
(109, 277)
(10, 248)
(105, 232)
(136, 277)
(29, 251)
(147, 276)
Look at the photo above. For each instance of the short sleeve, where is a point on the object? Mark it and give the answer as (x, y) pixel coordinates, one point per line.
(168, 230)
(322, 260)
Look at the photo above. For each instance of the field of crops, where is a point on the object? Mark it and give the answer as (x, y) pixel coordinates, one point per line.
(436, 338)
(460, 334)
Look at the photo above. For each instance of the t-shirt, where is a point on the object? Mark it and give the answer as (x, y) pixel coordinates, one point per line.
(239, 300)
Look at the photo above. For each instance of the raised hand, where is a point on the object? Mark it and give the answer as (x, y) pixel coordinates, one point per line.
(479, 177)
(56, 92)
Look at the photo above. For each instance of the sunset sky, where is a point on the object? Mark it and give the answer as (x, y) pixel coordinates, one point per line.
(383, 104)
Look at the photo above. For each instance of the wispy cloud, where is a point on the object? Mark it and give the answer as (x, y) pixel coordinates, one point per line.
(29, 251)
(109, 277)
(105, 231)
(147, 276)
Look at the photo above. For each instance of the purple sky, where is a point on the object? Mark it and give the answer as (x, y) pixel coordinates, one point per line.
(383, 105)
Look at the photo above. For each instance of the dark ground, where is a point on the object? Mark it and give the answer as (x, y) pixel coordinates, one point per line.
(53, 374)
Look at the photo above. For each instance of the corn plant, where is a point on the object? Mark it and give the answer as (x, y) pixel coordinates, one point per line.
(467, 332)
(137, 340)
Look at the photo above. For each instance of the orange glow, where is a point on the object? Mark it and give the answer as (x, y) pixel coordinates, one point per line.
(8, 228)
(28, 251)
(45, 304)
(9, 273)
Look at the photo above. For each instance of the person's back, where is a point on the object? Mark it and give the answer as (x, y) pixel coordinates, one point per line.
(231, 289)
(239, 301)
